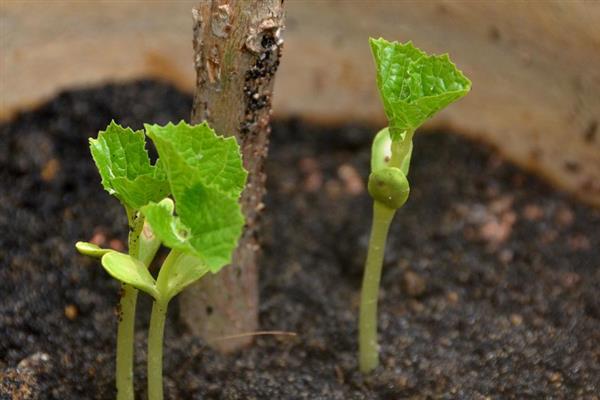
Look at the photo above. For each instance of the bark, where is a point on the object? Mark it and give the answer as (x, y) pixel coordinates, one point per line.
(237, 46)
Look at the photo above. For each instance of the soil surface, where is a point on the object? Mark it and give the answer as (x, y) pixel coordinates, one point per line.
(490, 287)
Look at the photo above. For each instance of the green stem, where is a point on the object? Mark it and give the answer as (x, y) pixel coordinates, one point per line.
(157, 328)
(155, 350)
(126, 327)
(400, 149)
(367, 330)
(125, 337)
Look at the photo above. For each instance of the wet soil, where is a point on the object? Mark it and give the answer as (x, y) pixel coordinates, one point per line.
(490, 288)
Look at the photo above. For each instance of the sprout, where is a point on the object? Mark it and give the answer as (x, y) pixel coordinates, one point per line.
(201, 223)
(413, 87)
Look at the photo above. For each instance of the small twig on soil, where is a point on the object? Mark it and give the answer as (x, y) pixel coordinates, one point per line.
(257, 333)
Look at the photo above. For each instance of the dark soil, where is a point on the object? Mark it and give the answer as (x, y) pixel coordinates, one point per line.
(490, 288)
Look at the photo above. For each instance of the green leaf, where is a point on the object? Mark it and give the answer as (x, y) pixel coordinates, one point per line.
(214, 160)
(90, 249)
(140, 191)
(129, 270)
(186, 270)
(206, 178)
(148, 245)
(413, 85)
(171, 231)
(121, 158)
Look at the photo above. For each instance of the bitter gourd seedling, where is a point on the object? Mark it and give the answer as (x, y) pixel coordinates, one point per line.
(413, 86)
(204, 177)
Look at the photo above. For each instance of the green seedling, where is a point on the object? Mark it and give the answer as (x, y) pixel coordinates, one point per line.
(127, 173)
(413, 86)
(200, 222)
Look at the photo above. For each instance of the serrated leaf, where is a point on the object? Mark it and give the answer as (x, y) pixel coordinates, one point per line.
(129, 270)
(140, 191)
(206, 178)
(122, 160)
(215, 160)
(215, 221)
(413, 85)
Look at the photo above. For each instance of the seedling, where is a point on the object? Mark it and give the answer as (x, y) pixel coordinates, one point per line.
(201, 223)
(413, 86)
(127, 173)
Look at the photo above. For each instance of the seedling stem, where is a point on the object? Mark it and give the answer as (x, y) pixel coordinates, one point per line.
(368, 347)
(126, 326)
(155, 349)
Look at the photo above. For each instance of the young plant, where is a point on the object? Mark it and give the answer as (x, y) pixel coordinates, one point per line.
(127, 173)
(204, 175)
(413, 86)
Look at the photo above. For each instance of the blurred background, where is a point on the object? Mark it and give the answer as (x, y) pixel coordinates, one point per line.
(535, 66)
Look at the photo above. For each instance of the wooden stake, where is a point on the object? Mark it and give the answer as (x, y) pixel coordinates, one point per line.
(237, 46)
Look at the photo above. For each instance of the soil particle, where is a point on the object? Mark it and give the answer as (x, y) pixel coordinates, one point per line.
(353, 183)
(564, 217)
(38, 362)
(22, 382)
(533, 212)
(518, 319)
(313, 180)
(414, 285)
(71, 312)
(18, 384)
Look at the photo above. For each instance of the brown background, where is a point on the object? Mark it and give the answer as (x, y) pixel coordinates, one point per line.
(535, 66)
